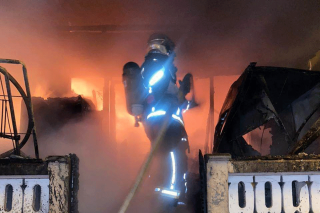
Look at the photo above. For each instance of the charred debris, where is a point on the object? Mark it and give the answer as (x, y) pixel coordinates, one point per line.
(270, 111)
(54, 113)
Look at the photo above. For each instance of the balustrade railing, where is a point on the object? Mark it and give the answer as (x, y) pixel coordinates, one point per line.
(39, 186)
(262, 185)
(24, 193)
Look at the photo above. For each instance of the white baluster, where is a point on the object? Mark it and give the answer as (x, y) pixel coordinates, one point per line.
(16, 196)
(302, 193)
(275, 194)
(233, 194)
(28, 196)
(315, 193)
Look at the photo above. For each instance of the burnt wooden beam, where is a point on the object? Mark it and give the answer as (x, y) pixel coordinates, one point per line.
(307, 139)
(109, 28)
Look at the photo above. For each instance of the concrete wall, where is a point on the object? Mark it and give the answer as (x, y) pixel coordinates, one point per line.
(55, 178)
(224, 175)
(63, 186)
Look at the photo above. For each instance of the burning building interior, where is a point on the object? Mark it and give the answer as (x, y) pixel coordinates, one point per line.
(75, 51)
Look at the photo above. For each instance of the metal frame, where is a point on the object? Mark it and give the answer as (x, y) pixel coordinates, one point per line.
(27, 99)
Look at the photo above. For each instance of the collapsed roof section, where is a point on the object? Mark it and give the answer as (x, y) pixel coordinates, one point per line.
(270, 110)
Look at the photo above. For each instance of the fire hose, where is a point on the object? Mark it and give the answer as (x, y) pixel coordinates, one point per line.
(146, 164)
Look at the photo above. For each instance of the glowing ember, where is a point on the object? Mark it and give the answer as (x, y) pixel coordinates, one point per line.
(91, 88)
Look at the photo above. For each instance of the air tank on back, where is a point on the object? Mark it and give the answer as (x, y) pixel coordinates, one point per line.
(134, 90)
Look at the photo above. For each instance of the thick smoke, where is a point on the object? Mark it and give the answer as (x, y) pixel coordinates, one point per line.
(217, 38)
